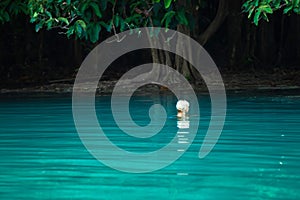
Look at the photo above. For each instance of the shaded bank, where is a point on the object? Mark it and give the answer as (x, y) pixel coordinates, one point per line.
(241, 80)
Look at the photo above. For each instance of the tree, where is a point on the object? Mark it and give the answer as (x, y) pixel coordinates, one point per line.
(262, 8)
(88, 19)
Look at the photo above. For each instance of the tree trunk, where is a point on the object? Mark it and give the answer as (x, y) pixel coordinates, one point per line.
(266, 43)
(41, 49)
(180, 64)
(216, 23)
(234, 24)
(281, 41)
(77, 53)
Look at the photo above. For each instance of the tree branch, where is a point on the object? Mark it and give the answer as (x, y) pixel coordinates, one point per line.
(216, 23)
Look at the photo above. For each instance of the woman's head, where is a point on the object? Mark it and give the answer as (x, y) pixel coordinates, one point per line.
(182, 107)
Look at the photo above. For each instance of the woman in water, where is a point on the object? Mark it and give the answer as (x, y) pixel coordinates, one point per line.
(182, 108)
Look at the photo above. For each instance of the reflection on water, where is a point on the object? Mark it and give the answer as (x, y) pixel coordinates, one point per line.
(256, 157)
(183, 125)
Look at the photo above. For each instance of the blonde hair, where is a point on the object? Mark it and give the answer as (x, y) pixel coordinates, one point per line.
(183, 105)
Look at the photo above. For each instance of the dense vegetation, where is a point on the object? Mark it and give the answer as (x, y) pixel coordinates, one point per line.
(232, 31)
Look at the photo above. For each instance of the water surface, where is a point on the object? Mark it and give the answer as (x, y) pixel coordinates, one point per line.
(256, 157)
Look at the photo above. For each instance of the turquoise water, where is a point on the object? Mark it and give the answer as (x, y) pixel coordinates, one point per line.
(256, 157)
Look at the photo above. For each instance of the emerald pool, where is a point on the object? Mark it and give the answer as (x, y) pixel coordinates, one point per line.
(256, 157)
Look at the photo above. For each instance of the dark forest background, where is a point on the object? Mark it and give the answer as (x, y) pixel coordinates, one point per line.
(32, 58)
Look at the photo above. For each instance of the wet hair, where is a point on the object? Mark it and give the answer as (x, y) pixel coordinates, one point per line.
(183, 105)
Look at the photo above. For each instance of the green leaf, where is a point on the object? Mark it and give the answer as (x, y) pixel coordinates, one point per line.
(78, 30)
(88, 16)
(168, 17)
(94, 32)
(267, 9)
(265, 17)
(181, 17)
(38, 27)
(82, 24)
(96, 9)
(122, 25)
(288, 9)
(297, 10)
(49, 23)
(109, 27)
(296, 3)
(245, 5)
(167, 3)
(32, 20)
(70, 31)
(62, 19)
(106, 26)
(84, 7)
(102, 23)
(251, 12)
(103, 4)
(117, 21)
(35, 14)
(49, 14)
(277, 4)
(257, 16)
